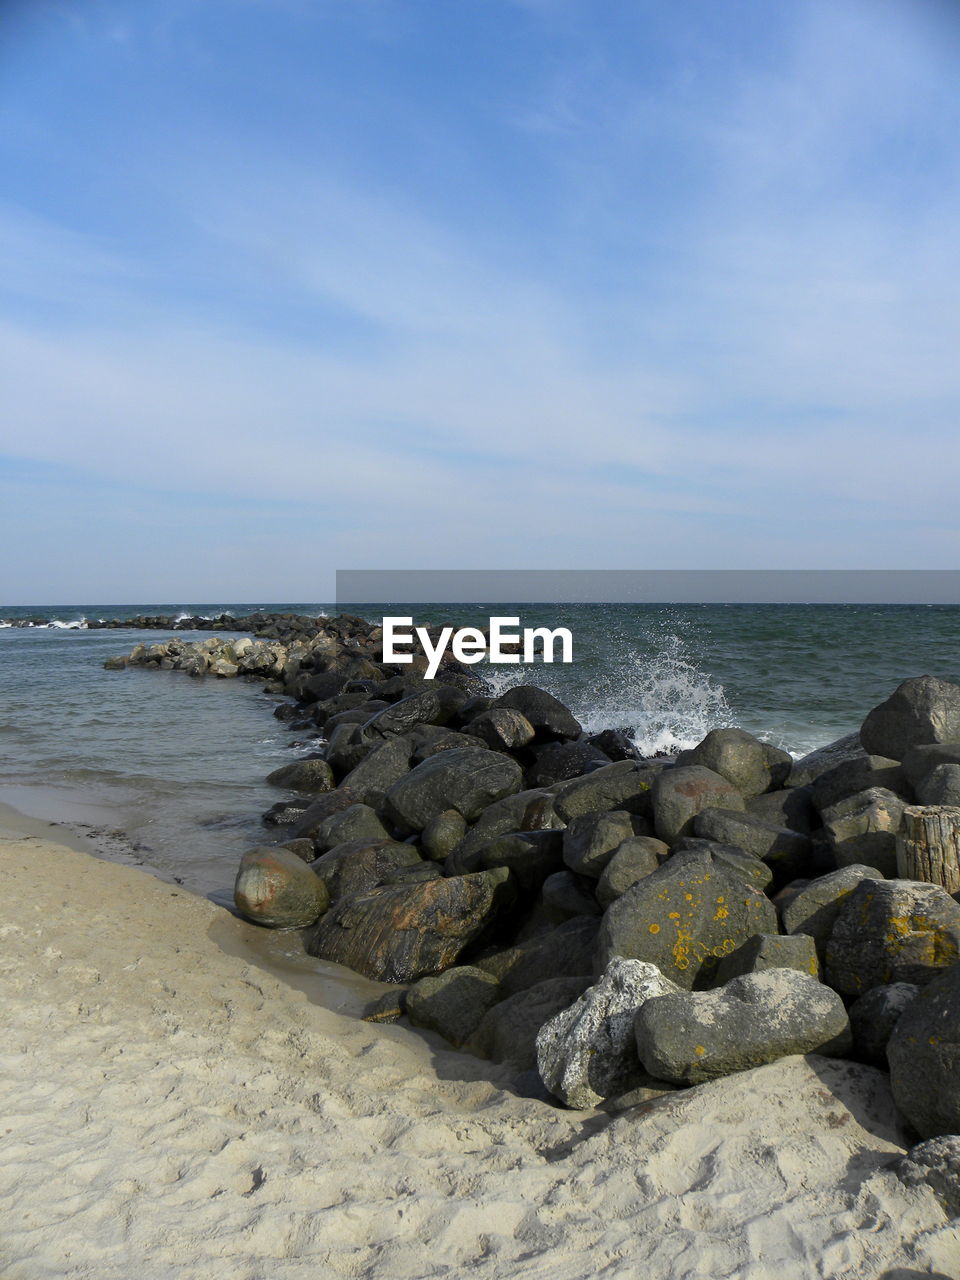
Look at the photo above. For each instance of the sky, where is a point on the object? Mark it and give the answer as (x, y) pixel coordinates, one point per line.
(293, 286)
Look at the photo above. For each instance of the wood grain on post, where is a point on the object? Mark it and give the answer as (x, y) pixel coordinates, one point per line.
(928, 845)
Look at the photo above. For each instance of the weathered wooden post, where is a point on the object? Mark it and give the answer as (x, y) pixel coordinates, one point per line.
(928, 845)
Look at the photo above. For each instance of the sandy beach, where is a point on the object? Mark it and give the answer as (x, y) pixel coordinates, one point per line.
(171, 1109)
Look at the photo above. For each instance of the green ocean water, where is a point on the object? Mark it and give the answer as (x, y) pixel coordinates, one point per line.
(174, 767)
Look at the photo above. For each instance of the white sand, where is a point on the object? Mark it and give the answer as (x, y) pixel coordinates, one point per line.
(168, 1109)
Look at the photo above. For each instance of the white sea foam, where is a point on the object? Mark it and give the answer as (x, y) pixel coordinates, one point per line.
(75, 624)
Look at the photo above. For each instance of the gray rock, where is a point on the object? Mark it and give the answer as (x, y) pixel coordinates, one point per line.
(302, 848)
(873, 1017)
(307, 823)
(792, 807)
(625, 784)
(452, 1003)
(814, 909)
(502, 728)
(434, 705)
(306, 776)
(770, 951)
(590, 841)
(924, 1052)
(465, 780)
(746, 865)
(381, 769)
(406, 932)
(277, 889)
(530, 855)
(681, 793)
(892, 931)
(556, 762)
(919, 762)
(390, 1007)
(359, 866)
(568, 895)
(854, 776)
(549, 717)
(346, 747)
(863, 829)
(635, 858)
(684, 918)
(526, 811)
(588, 1052)
(811, 766)
(442, 834)
(508, 1032)
(749, 765)
(358, 822)
(787, 852)
(563, 952)
(692, 1036)
(941, 786)
(923, 709)
(936, 1164)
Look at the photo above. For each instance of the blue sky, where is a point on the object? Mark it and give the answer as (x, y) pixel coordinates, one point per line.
(288, 286)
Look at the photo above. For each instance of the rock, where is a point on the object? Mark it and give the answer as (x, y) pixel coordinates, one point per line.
(221, 667)
(679, 794)
(501, 728)
(276, 888)
(568, 895)
(920, 710)
(404, 933)
(854, 776)
(614, 744)
(749, 765)
(346, 747)
(465, 780)
(588, 1052)
(873, 1017)
(390, 1007)
(549, 717)
(360, 866)
(442, 834)
(563, 952)
(923, 1053)
(590, 841)
(635, 858)
(452, 1003)
(508, 1031)
(941, 786)
(863, 829)
(357, 822)
(307, 776)
(530, 855)
(559, 761)
(934, 1163)
(746, 865)
(811, 766)
(892, 931)
(770, 951)
(792, 807)
(308, 820)
(627, 784)
(691, 1036)
(525, 811)
(377, 772)
(786, 852)
(302, 848)
(814, 909)
(684, 918)
(435, 705)
(285, 813)
(919, 762)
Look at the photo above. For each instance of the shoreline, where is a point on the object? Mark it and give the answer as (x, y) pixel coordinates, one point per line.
(170, 1106)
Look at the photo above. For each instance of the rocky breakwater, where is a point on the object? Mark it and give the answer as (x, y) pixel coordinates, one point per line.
(274, 626)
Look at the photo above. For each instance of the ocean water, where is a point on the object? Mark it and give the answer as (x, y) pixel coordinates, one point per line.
(169, 770)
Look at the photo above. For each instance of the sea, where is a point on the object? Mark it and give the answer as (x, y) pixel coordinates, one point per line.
(168, 772)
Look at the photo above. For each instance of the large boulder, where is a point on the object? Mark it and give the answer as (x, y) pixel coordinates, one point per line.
(590, 841)
(508, 1032)
(814, 908)
(863, 829)
(860, 774)
(559, 761)
(920, 762)
(746, 865)
(452, 1003)
(874, 1016)
(567, 895)
(360, 866)
(442, 834)
(549, 717)
(625, 784)
(749, 765)
(377, 772)
(588, 1052)
(941, 786)
(501, 728)
(770, 951)
(923, 709)
(403, 933)
(531, 810)
(684, 918)
(892, 931)
(465, 780)
(632, 861)
(679, 794)
(563, 952)
(310, 777)
(691, 1036)
(435, 705)
(812, 765)
(276, 888)
(357, 822)
(924, 1057)
(786, 851)
(531, 855)
(792, 807)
